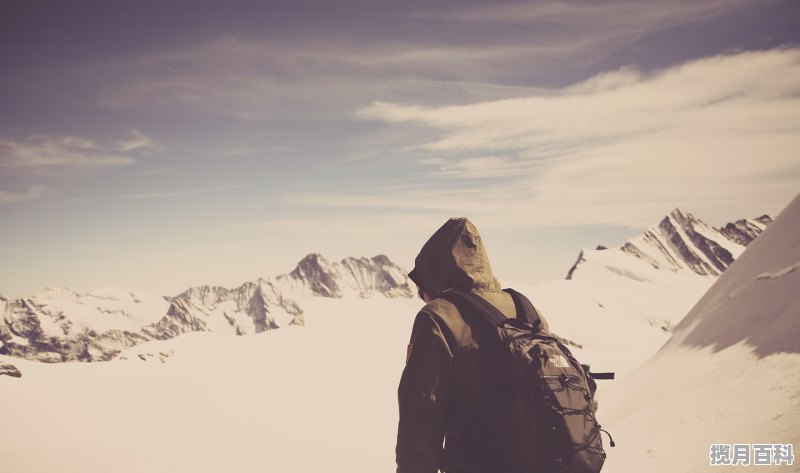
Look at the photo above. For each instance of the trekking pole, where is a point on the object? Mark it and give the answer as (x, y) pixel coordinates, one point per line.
(606, 375)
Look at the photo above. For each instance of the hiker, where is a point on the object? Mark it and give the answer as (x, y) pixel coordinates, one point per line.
(452, 391)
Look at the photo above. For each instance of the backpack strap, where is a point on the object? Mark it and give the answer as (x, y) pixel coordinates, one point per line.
(490, 312)
(476, 303)
(524, 305)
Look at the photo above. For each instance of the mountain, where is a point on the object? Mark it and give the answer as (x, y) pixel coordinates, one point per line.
(60, 325)
(653, 278)
(314, 275)
(680, 243)
(730, 373)
(757, 301)
(664, 271)
(639, 290)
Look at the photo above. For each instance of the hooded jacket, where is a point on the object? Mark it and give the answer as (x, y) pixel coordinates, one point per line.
(452, 390)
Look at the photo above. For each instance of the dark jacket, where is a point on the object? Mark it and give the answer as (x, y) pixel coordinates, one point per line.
(452, 389)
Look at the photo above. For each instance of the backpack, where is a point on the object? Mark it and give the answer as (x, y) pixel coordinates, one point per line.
(553, 425)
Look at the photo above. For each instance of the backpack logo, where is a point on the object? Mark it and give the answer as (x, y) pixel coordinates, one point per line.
(559, 361)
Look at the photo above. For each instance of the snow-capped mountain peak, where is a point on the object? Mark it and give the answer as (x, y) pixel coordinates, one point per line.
(731, 369)
(316, 276)
(58, 324)
(756, 300)
(681, 242)
(746, 230)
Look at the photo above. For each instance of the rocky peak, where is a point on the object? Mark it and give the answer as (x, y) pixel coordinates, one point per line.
(59, 325)
(10, 370)
(688, 238)
(376, 274)
(207, 295)
(315, 272)
(681, 242)
(744, 231)
(577, 263)
(382, 260)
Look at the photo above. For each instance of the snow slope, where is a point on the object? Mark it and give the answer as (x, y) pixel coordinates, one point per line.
(300, 399)
(621, 304)
(731, 372)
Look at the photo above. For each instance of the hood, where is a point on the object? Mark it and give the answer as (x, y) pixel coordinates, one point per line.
(454, 257)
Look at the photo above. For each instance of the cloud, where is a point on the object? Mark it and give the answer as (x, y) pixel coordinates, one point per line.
(234, 151)
(621, 147)
(253, 79)
(175, 193)
(326, 76)
(482, 167)
(627, 14)
(47, 151)
(89, 248)
(137, 142)
(33, 193)
(154, 172)
(14, 250)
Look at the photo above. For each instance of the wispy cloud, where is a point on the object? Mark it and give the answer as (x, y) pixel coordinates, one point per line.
(175, 193)
(31, 194)
(89, 248)
(234, 151)
(625, 13)
(47, 151)
(153, 172)
(255, 78)
(137, 142)
(624, 146)
(14, 250)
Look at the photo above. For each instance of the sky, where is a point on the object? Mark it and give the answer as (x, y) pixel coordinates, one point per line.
(161, 145)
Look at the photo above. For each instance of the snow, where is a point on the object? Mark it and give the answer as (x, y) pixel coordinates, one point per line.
(619, 324)
(322, 397)
(280, 316)
(315, 398)
(734, 248)
(210, 402)
(731, 372)
(102, 309)
(17, 339)
(665, 416)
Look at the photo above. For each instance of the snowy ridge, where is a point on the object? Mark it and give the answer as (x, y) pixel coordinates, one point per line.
(757, 301)
(642, 288)
(679, 243)
(745, 231)
(730, 374)
(58, 324)
(316, 276)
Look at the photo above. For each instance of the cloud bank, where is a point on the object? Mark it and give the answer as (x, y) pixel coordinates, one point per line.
(622, 147)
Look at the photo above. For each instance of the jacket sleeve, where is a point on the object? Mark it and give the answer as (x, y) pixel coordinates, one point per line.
(422, 397)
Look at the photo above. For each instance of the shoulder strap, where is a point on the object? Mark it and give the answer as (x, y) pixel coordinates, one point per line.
(490, 312)
(477, 303)
(524, 306)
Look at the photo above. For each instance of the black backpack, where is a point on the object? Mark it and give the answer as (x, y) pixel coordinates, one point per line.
(553, 427)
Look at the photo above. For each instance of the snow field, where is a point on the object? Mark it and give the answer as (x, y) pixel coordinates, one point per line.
(314, 398)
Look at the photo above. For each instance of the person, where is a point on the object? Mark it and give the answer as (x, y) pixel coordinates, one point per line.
(453, 394)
